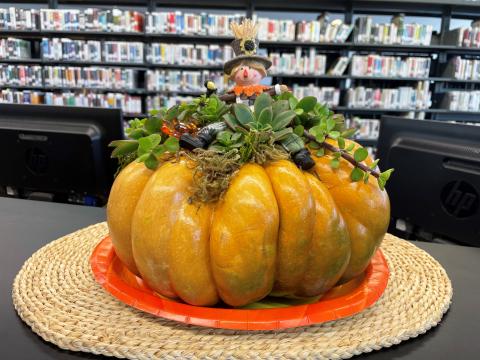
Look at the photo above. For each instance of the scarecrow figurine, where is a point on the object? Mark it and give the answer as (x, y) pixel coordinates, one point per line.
(246, 69)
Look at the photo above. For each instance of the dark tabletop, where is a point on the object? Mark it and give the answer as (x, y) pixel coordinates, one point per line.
(25, 226)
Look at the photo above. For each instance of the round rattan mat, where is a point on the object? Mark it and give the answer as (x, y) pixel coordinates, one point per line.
(56, 295)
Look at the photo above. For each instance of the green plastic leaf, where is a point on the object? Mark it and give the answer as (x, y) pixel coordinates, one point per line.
(320, 152)
(292, 101)
(314, 145)
(341, 142)
(235, 137)
(261, 102)
(172, 113)
(386, 174)
(280, 106)
(299, 111)
(335, 163)
(231, 121)
(171, 144)
(146, 144)
(337, 154)
(357, 174)
(316, 130)
(151, 162)
(143, 157)
(282, 120)
(285, 95)
(154, 112)
(266, 116)
(279, 135)
(334, 134)
(350, 147)
(381, 183)
(349, 133)
(307, 103)
(374, 164)
(123, 147)
(224, 137)
(159, 150)
(360, 154)
(366, 177)
(299, 130)
(330, 124)
(136, 134)
(243, 114)
(320, 138)
(153, 125)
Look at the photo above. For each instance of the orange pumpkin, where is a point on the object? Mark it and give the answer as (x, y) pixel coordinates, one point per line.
(277, 230)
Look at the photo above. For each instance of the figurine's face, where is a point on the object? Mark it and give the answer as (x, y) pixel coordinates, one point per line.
(246, 75)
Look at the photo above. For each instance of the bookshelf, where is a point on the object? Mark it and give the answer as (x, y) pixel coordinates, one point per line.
(438, 51)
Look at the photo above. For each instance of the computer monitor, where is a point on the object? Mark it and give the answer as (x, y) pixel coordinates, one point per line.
(435, 188)
(58, 153)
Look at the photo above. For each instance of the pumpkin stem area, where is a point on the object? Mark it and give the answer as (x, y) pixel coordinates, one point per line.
(213, 170)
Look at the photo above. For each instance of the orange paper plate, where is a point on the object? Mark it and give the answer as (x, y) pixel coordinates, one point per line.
(342, 301)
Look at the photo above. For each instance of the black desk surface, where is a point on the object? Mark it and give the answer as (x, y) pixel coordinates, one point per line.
(25, 226)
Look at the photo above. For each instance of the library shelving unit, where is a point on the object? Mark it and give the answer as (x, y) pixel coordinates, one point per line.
(444, 12)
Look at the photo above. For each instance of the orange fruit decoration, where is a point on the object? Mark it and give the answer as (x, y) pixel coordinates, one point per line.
(277, 230)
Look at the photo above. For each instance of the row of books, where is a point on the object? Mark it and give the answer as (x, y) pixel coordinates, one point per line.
(129, 104)
(461, 100)
(275, 30)
(463, 69)
(68, 76)
(123, 51)
(403, 97)
(176, 80)
(20, 75)
(395, 32)
(297, 63)
(19, 19)
(177, 22)
(323, 30)
(463, 36)
(325, 95)
(90, 77)
(68, 49)
(159, 101)
(12, 48)
(367, 129)
(188, 54)
(390, 66)
(91, 19)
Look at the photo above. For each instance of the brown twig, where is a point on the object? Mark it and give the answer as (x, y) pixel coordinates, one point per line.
(343, 154)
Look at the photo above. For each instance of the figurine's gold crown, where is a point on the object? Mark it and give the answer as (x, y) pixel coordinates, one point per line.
(247, 29)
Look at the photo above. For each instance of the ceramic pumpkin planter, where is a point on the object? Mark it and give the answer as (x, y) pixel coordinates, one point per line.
(277, 230)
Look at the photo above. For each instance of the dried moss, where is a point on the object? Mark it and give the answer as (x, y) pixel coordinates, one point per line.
(213, 170)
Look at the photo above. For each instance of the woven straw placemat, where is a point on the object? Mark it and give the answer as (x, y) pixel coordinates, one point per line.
(56, 295)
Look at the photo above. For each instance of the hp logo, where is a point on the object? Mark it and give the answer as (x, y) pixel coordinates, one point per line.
(460, 199)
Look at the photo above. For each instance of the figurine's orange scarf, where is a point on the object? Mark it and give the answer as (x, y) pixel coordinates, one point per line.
(249, 90)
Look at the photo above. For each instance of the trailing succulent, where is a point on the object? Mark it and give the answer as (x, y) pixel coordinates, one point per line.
(276, 128)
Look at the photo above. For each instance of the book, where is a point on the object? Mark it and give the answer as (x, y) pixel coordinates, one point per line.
(122, 51)
(275, 30)
(463, 37)
(339, 66)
